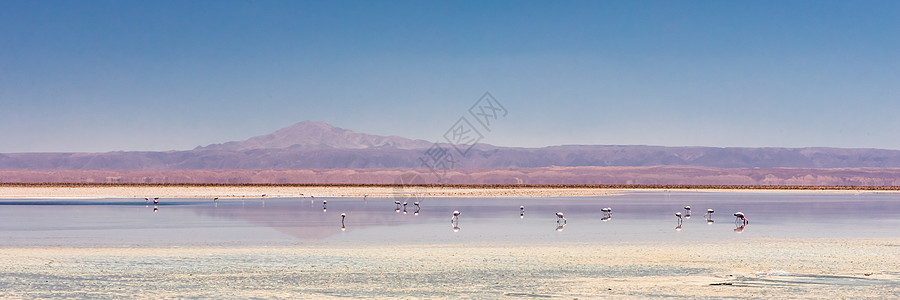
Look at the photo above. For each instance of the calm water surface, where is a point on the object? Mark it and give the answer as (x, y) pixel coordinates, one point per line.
(637, 216)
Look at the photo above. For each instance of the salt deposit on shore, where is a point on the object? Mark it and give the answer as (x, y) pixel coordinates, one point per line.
(782, 268)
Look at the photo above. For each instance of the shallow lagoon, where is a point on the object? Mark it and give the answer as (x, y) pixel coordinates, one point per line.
(637, 216)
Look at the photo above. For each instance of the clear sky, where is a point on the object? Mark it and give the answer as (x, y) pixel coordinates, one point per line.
(172, 75)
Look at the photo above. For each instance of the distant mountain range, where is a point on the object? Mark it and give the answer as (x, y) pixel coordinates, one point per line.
(317, 145)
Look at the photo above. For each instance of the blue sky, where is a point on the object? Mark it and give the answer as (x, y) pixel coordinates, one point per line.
(171, 75)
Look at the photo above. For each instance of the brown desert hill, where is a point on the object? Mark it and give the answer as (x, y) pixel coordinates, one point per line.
(317, 145)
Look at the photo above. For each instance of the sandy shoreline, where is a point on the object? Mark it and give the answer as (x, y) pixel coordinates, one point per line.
(230, 191)
(767, 268)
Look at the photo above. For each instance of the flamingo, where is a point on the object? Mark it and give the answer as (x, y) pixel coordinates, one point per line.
(607, 211)
(678, 215)
(522, 211)
(454, 221)
(155, 200)
(687, 212)
(708, 215)
(740, 216)
(560, 217)
(343, 215)
(416, 204)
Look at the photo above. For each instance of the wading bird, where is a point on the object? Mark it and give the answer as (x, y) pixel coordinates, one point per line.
(522, 211)
(739, 216)
(560, 217)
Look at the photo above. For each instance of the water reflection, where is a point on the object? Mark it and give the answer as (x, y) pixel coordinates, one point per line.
(740, 228)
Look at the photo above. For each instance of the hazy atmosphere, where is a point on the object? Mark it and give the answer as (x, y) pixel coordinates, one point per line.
(172, 75)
